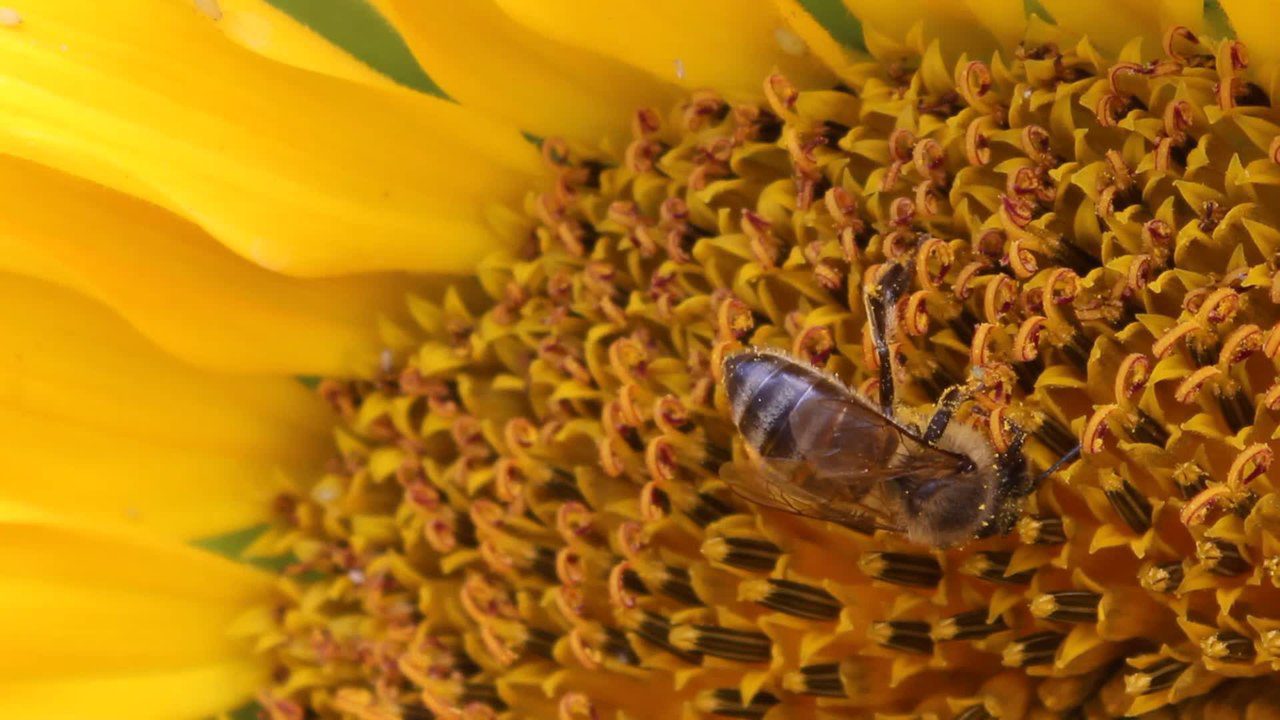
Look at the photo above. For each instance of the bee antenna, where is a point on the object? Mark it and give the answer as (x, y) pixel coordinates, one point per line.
(1070, 456)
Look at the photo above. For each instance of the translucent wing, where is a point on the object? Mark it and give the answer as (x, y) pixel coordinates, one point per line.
(839, 434)
(856, 501)
(836, 463)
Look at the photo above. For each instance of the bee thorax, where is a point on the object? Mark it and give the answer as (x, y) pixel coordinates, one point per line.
(945, 510)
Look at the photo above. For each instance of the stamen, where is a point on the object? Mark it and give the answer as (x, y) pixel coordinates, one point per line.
(993, 566)
(792, 598)
(1155, 677)
(1163, 578)
(1132, 506)
(972, 625)
(1036, 649)
(902, 568)
(1067, 606)
(741, 645)
(728, 702)
(1229, 646)
(822, 680)
(745, 553)
(905, 635)
(1041, 530)
(1222, 557)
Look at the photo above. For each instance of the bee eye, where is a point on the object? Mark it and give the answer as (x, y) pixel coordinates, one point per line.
(966, 466)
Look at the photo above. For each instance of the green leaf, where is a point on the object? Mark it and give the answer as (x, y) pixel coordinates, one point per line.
(233, 544)
(357, 28)
(838, 21)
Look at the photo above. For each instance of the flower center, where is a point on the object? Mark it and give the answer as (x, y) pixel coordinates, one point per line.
(530, 514)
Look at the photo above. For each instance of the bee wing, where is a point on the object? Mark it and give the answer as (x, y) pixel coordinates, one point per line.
(841, 435)
(853, 500)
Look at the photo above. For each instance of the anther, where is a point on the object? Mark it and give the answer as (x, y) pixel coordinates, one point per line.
(1067, 606)
(1131, 505)
(821, 680)
(1222, 557)
(1162, 578)
(994, 566)
(1228, 646)
(1155, 677)
(905, 635)
(972, 625)
(728, 702)
(1036, 649)
(706, 509)
(746, 646)
(792, 598)
(669, 580)
(1041, 530)
(743, 553)
(902, 568)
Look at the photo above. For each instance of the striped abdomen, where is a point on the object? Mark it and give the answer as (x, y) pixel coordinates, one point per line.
(764, 390)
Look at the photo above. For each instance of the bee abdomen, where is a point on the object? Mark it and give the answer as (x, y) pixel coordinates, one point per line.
(764, 389)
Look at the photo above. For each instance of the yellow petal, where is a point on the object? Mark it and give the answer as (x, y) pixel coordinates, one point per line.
(299, 172)
(1254, 23)
(96, 422)
(182, 289)
(1110, 25)
(835, 56)
(259, 26)
(492, 64)
(163, 694)
(86, 607)
(726, 45)
(976, 27)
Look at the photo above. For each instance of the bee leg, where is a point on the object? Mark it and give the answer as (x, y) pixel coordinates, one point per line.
(951, 400)
(881, 305)
(1069, 456)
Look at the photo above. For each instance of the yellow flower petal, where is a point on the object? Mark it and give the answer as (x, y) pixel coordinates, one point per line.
(835, 56)
(977, 27)
(299, 172)
(727, 45)
(97, 422)
(86, 607)
(1254, 23)
(181, 288)
(268, 31)
(1110, 25)
(492, 64)
(187, 692)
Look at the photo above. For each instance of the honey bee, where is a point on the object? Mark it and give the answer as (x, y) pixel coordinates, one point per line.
(824, 452)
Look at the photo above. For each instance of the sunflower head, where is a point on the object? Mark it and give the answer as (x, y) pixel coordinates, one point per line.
(1061, 222)
(530, 515)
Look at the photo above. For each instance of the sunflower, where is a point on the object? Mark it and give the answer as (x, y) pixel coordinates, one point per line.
(509, 493)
